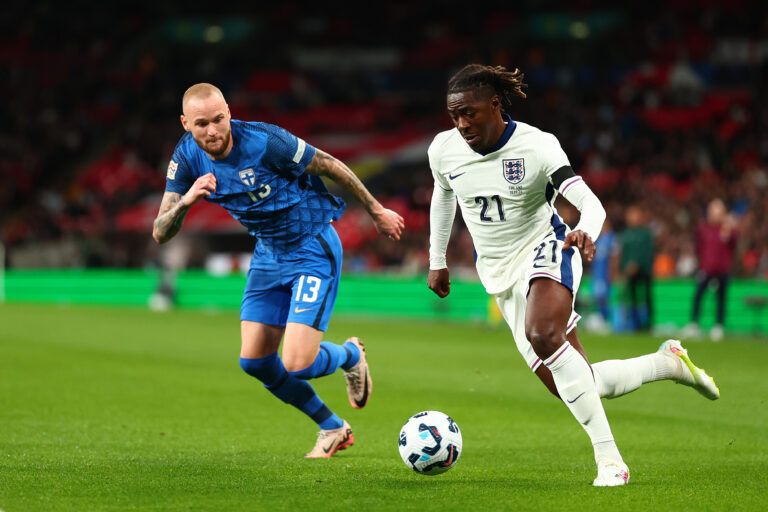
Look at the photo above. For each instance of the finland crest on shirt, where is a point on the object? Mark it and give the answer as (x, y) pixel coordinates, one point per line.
(505, 196)
(248, 177)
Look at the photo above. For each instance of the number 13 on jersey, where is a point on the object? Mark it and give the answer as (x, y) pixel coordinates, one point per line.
(263, 191)
(310, 290)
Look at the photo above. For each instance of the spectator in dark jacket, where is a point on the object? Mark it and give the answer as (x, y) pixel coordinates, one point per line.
(636, 266)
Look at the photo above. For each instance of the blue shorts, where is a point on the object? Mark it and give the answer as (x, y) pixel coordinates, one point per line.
(298, 287)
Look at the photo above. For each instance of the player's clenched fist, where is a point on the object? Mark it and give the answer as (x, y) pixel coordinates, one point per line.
(439, 282)
(203, 186)
(389, 223)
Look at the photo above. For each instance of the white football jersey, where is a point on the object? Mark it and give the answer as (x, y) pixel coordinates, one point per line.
(506, 197)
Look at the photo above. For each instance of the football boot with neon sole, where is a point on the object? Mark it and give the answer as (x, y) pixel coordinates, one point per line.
(691, 375)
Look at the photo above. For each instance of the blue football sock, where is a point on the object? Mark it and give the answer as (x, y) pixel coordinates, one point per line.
(332, 422)
(329, 359)
(291, 390)
(353, 355)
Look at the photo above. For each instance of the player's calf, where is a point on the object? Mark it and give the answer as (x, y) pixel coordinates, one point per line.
(330, 357)
(291, 390)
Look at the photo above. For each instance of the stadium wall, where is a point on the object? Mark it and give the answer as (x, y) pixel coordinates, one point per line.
(371, 295)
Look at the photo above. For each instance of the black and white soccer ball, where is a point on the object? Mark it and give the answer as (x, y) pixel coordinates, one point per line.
(430, 443)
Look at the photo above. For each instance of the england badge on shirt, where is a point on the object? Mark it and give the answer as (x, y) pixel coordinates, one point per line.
(248, 177)
(513, 169)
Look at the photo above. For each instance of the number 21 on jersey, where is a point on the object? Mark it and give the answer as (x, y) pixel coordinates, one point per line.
(542, 257)
(485, 215)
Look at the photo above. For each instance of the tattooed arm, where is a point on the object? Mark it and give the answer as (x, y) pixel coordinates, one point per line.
(174, 207)
(170, 217)
(387, 221)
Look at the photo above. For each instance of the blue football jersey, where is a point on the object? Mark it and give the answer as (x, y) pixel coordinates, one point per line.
(262, 184)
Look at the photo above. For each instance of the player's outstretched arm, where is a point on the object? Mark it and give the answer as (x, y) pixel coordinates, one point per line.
(387, 221)
(174, 207)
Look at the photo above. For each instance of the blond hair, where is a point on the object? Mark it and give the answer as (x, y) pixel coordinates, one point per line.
(200, 91)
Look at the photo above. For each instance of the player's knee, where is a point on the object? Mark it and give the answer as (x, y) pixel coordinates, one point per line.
(265, 369)
(545, 338)
(296, 363)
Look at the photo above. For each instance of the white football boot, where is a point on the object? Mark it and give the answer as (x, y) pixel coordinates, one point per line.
(690, 374)
(359, 383)
(331, 441)
(610, 473)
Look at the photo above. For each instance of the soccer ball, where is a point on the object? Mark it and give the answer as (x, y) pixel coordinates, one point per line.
(430, 443)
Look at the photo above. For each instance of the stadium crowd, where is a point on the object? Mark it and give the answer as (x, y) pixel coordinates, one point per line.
(664, 109)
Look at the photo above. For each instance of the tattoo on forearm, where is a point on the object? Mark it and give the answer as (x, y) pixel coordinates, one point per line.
(323, 164)
(170, 218)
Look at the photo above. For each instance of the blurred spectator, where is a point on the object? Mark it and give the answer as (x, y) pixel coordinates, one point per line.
(636, 267)
(715, 244)
(602, 269)
(663, 104)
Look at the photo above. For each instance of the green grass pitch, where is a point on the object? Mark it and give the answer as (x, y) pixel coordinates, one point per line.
(121, 409)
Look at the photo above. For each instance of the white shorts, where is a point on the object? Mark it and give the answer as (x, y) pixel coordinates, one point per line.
(547, 260)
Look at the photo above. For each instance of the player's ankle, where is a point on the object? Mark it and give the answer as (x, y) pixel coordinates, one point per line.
(608, 450)
(353, 355)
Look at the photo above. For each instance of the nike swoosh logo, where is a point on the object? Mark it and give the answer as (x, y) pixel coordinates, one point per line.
(333, 443)
(571, 401)
(452, 177)
(330, 446)
(536, 265)
(297, 310)
(361, 403)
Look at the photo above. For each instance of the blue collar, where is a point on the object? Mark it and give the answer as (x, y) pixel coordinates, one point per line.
(508, 131)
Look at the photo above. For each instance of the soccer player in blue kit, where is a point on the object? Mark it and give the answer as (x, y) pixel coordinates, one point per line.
(269, 180)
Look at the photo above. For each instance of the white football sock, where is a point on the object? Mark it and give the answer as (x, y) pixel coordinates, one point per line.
(617, 377)
(576, 386)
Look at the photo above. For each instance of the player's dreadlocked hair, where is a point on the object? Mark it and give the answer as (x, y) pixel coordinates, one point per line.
(474, 77)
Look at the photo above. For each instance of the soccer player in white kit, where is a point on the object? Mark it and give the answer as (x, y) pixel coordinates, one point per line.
(505, 175)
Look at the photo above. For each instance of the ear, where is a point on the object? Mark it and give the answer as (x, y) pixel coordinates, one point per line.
(184, 122)
(495, 103)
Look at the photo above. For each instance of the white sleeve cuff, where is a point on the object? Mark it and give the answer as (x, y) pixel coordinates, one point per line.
(592, 212)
